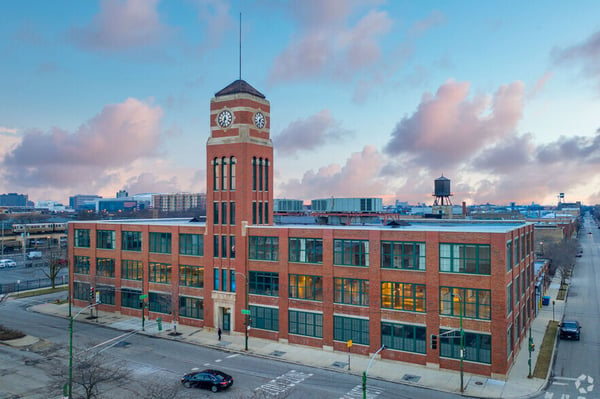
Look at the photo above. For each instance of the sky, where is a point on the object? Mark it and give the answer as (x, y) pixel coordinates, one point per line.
(369, 98)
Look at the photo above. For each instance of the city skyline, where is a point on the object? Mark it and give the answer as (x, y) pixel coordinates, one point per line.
(501, 98)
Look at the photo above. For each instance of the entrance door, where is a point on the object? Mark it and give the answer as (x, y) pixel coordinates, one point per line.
(226, 321)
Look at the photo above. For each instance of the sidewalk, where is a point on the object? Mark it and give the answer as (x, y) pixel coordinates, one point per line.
(517, 385)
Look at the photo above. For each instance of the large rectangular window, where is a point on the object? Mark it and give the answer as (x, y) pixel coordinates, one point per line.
(508, 255)
(264, 318)
(475, 303)
(132, 269)
(351, 291)
(465, 258)
(306, 287)
(131, 241)
(232, 213)
(223, 212)
(81, 290)
(306, 323)
(191, 244)
(216, 246)
(130, 298)
(517, 258)
(478, 347)
(403, 296)
(191, 276)
(216, 212)
(105, 239)
(160, 243)
(264, 248)
(82, 265)
(404, 337)
(82, 238)
(346, 328)
(509, 299)
(191, 307)
(159, 272)
(306, 250)
(223, 246)
(264, 283)
(351, 252)
(107, 294)
(403, 255)
(105, 267)
(159, 302)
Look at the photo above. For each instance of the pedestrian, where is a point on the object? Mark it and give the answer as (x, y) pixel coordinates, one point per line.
(219, 333)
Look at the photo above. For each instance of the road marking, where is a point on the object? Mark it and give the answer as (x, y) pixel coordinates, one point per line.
(549, 395)
(283, 383)
(564, 378)
(234, 355)
(559, 383)
(357, 392)
(218, 361)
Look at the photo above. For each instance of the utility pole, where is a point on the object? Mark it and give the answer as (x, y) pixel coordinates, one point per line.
(364, 376)
(462, 341)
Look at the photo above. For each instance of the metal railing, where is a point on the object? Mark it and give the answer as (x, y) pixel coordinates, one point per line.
(25, 285)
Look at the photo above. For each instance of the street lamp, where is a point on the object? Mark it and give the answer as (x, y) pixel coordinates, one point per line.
(246, 311)
(364, 377)
(462, 340)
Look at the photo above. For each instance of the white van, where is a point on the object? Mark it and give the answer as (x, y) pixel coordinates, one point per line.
(34, 255)
(7, 263)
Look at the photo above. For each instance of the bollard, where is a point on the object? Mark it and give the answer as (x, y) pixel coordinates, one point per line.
(159, 321)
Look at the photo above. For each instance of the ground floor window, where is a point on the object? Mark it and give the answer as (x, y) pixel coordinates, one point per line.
(130, 298)
(264, 318)
(107, 294)
(159, 302)
(478, 347)
(306, 323)
(191, 307)
(81, 290)
(404, 337)
(345, 328)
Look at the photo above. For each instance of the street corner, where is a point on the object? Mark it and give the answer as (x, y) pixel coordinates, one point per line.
(22, 342)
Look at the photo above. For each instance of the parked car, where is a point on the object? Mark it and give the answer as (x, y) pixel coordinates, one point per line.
(579, 253)
(214, 380)
(570, 329)
(7, 263)
(34, 255)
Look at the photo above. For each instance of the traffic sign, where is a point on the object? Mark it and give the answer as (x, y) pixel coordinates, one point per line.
(246, 311)
(143, 296)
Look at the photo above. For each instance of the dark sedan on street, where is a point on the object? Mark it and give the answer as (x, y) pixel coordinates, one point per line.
(570, 329)
(214, 380)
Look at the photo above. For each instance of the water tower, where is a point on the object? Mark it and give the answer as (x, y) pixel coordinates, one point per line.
(442, 204)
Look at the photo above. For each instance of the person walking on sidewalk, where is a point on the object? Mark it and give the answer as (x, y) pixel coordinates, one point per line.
(219, 332)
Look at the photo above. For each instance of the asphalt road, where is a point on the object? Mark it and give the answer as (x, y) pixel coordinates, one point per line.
(158, 363)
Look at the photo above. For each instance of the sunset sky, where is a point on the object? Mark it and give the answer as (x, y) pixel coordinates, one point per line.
(368, 98)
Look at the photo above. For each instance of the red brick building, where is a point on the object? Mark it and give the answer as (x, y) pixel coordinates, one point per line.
(316, 285)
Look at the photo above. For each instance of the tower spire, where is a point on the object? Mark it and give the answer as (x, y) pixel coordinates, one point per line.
(240, 46)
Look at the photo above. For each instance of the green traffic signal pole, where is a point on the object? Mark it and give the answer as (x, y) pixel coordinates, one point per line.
(462, 341)
(364, 376)
(71, 318)
(246, 308)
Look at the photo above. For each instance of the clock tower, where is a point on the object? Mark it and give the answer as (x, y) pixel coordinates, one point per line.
(239, 192)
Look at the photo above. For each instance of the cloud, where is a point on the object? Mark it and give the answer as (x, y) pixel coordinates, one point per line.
(586, 54)
(214, 15)
(121, 25)
(434, 19)
(7, 130)
(119, 135)
(448, 127)
(148, 182)
(308, 134)
(506, 156)
(540, 85)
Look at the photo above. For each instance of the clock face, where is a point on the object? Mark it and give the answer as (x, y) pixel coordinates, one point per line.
(259, 120)
(225, 118)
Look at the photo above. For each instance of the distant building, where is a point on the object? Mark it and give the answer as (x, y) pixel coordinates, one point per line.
(122, 194)
(52, 206)
(79, 201)
(14, 199)
(174, 202)
(116, 204)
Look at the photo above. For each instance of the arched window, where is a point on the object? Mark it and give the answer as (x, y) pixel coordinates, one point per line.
(253, 173)
(216, 174)
(232, 173)
(224, 173)
(260, 174)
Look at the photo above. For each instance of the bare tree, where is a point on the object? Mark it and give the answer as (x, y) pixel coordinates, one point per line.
(162, 390)
(57, 260)
(562, 257)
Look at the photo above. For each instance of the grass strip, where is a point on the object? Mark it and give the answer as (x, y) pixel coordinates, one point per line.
(545, 356)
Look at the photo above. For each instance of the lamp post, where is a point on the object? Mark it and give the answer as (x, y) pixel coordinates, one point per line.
(462, 340)
(71, 318)
(364, 377)
(246, 312)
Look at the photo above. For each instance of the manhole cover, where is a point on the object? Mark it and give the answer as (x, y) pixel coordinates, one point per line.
(121, 344)
(411, 378)
(340, 365)
(277, 353)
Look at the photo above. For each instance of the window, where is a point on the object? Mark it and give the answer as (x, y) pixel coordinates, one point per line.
(509, 299)
(232, 280)
(351, 291)
(191, 307)
(191, 276)
(215, 212)
(465, 258)
(223, 212)
(107, 294)
(306, 250)
(216, 246)
(160, 243)
(131, 269)
(404, 337)
(223, 246)
(403, 255)
(254, 212)
(509, 340)
(81, 290)
(517, 289)
(403, 296)
(345, 328)
(224, 173)
(508, 256)
(254, 175)
(306, 287)
(82, 265)
(260, 174)
(232, 249)
(216, 174)
(130, 298)
(264, 318)
(266, 175)
(159, 272)
(476, 304)
(224, 279)
(160, 303)
(266, 204)
(105, 239)
(264, 248)
(260, 213)
(306, 323)
(82, 238)
(522, 247)
(232, 174)
(131, 241)
(216, 284)
(232, 213)
(351, 252)
(478, 347)
(105, 267)
(523, 283)
(517, 259)
(191, 244)
(264, 283)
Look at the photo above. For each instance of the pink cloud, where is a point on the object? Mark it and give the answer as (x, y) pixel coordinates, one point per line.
(121, 25)
(434, 19)
(540, 85)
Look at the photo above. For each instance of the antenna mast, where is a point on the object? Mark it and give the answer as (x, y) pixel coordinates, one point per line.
(240, 46)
